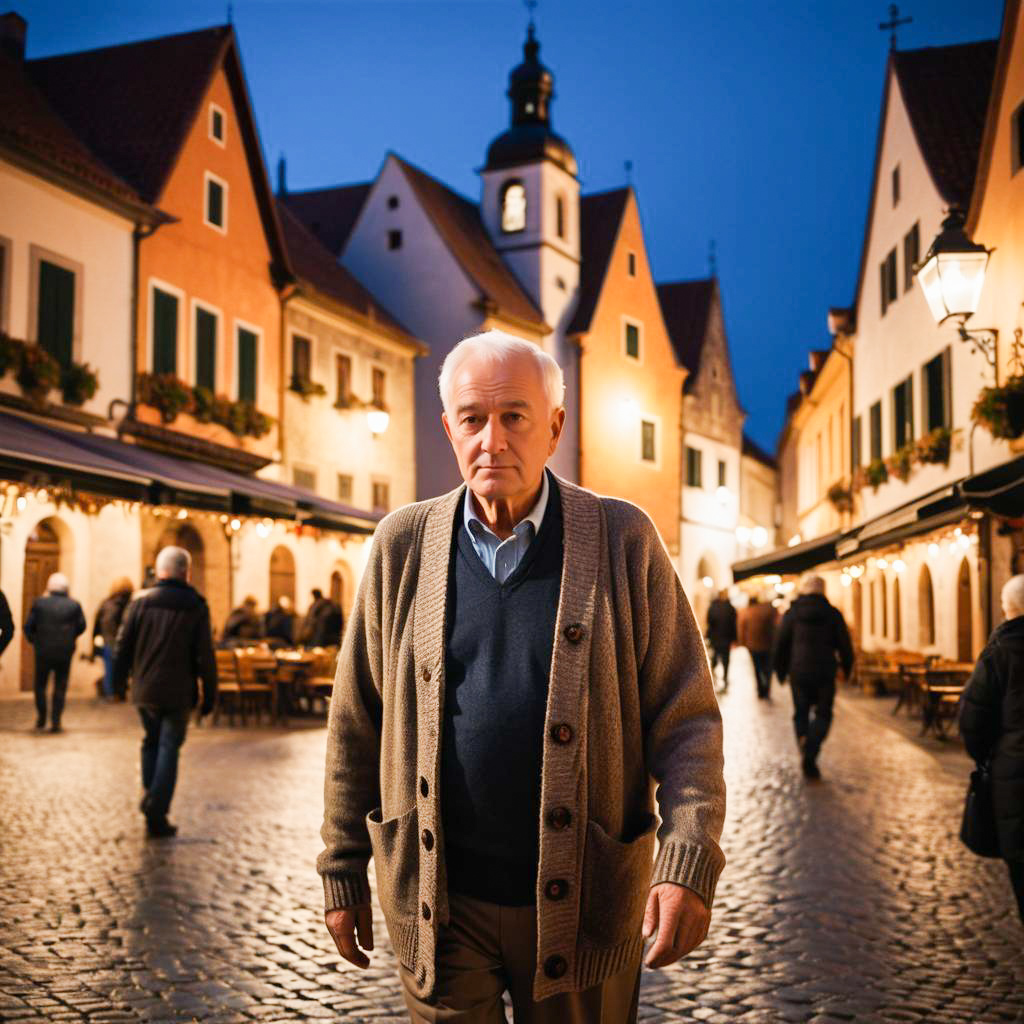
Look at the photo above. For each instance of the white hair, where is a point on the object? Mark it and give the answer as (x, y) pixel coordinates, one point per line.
(57, 583)
(1013, 596)
(496, 347)
(173, 563)
(812, 584)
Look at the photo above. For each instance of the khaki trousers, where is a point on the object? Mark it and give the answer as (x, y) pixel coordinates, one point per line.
(486, 949)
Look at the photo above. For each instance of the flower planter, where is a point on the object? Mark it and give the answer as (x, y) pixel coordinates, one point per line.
(1001, 409)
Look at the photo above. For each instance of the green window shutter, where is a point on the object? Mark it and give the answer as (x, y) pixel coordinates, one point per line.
(206, 349)
(165, 332)
(632, 341)
(855, 443)
(247, 343)
(56, 319)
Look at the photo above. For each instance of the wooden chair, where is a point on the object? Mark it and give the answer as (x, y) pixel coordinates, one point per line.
(320, 684)
(229, 689)
(256, 693)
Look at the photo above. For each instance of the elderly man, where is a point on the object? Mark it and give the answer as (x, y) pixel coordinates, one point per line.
(165, 643)
(520, 666)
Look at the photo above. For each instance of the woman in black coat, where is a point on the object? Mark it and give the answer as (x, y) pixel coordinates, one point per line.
(992, 725)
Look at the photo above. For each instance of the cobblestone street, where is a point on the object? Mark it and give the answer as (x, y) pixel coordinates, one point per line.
(846, 900)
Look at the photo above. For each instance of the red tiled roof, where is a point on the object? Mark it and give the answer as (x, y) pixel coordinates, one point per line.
(329, 213)
(600, 217)
(686, 309)
(314, 265)
(31, 126)
(946, 90)
(458, 222)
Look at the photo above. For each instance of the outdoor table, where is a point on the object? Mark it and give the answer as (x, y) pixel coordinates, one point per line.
(943, 687)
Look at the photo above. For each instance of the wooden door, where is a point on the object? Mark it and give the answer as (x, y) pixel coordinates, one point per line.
(42, 557)
(964, 621)
(282, 575)
(858, 614)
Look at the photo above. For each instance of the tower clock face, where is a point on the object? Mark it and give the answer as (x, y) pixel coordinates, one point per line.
(513, 208)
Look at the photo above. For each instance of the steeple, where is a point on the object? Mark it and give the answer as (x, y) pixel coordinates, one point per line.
(531, 86)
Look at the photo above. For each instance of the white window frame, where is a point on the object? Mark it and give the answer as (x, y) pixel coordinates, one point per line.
(181, 341)
(216, 107)
(258, 331)
(649, 417)
(193, 352)
(639, 325)
(209, 176)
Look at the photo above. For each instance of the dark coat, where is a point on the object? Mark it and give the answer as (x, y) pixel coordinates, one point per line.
(279, 625)
(108, 618)
(6, 623)
(242, 625)
(992, 725)
(54, 622)
(812, 641)
(721, 632)
(165, 644)
(328, 627)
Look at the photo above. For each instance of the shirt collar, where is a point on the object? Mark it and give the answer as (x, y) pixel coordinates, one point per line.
(534, 517)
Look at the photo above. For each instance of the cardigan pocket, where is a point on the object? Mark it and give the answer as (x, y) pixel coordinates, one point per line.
(396, 862)
(616, 880)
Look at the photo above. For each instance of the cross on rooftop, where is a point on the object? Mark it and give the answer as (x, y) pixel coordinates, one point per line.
(892, 25)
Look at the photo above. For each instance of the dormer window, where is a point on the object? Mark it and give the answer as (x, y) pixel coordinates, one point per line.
(513, 207)
(216, 123)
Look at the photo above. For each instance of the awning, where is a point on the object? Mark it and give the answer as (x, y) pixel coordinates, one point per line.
(999, 490)
(790, 561)
(36, 452)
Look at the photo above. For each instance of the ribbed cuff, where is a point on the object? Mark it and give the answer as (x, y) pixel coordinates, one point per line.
(348, 889)
(696, 867)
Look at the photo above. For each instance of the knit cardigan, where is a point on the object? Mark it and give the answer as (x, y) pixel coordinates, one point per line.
(631, 716)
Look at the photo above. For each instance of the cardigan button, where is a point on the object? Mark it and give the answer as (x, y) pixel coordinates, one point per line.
(424, 787)
(562, 733)
(428, 839)
(559, 818)
(426, 912)
(556, 889)
(555, 966)
(426, 673)
(574, 633)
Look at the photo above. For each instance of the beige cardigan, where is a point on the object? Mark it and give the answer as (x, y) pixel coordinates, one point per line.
(630, 703)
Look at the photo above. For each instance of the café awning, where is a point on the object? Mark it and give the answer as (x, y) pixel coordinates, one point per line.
(789, 561)
(999, 490)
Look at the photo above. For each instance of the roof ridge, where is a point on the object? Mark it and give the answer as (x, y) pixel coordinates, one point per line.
(324, 188)
(606, 192)
(173, 36)
(433, 179)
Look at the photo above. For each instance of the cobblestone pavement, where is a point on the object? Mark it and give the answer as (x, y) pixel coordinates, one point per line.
(848, 900)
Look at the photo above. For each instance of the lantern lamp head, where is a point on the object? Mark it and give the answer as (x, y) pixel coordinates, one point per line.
(953, 272)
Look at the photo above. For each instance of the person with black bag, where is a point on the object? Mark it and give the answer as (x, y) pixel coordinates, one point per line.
(992, 726)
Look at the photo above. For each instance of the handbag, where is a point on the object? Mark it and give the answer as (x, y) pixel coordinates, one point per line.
(978, 830)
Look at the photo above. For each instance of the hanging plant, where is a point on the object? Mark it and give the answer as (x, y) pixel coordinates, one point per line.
(78, 383)
(1001, 409)
(306, 388)
(10, 353)
(934, 447)
(165, 393)
(37, 373)
(202, 404)
(841, 497)
(875, 474)
(901, 462)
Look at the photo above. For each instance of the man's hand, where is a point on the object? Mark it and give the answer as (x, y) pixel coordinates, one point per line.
(681, 920)
(346, 925)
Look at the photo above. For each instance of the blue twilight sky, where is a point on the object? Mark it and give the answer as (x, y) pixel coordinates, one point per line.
(752, 122)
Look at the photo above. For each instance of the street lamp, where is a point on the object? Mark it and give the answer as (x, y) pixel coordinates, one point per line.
(378, 420)
(951, 277)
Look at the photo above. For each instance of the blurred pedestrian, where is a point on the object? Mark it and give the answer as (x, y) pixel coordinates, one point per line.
(757, 634)
(165, 644)
(310, 624)
(279, 623)
(54, 623)
(6, 623)
(721, 633)
(105, 627)
(243, 626)
(813, 642)
(329, 625)
(992, 725)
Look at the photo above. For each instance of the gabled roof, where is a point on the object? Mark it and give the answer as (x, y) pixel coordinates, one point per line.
(458, 222)
(754, 451)
(32, 129)
(330, 213)
(600, 218)
(686, 309)
(316, 268)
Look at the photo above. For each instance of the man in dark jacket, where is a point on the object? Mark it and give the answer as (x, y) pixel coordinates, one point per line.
(721, 633)
(166, 645)
(54, 623)
(992, 725)
(244, 625)
(279, 623)
(813, 642)
(6, 623)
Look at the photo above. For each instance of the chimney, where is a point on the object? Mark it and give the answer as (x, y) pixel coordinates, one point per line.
(13, 28)
(282, 173)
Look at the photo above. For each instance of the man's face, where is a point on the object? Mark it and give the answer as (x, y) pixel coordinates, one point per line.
(501, 426)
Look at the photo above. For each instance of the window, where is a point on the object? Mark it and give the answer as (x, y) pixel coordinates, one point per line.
(857, 453)
(935, 393)
(631, 263)
(392, 202)
(1017, 140)
(165, 332)
(875, 426)
(206, 349)
(513, 207)
(305, 478)
(248, 359)
(911, 254)
(216, 123)
(378, 380)
(631, 340)
(887, 281)
(560, 216)
(896, 185)
(693, 467)
(343, 380)
(216, 202)
(344, 487)
(381, 496)
(647, 441)
(55, 324)
(903, 413)
(394, 240)
(925, 608)
(302, 360)
(721, 473)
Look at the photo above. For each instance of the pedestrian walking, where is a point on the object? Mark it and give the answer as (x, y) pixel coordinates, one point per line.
(6, 623)
(323, 624)
(165, 644)
(243, 626)
(520, 665)
(54, 623)
(279, 623)
(721, 633)
(813, 642)
(992, 725)
(105, 627)
(757, 634)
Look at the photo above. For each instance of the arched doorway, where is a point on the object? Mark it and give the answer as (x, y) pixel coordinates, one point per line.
(705, 586)
(964, 621)
(42, 557)
(925, 608)
(858, 613)
(342, 587)
(185, 536)
(282, 575)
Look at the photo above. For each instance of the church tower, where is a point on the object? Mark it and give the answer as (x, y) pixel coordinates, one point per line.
(531, 197)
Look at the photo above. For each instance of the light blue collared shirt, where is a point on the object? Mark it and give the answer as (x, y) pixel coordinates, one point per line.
(502, 557)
